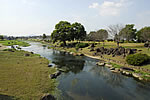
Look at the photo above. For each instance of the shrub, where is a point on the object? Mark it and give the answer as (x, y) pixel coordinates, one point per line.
(137, 59)
(82, 45)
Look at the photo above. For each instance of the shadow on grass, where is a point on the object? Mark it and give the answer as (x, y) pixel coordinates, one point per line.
(6, 97)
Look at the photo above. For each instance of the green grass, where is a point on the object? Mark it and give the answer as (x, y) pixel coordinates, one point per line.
(24, 78)
(14, 42)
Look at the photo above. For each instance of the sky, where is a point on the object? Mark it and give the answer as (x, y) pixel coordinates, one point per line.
(35, 17)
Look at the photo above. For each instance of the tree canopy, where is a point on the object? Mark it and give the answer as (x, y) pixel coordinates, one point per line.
(128, 32)
(99, 35)
(44, 36)
(143, 34)
(64, 31)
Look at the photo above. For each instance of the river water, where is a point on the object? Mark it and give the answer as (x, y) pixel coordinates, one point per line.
(84, 80)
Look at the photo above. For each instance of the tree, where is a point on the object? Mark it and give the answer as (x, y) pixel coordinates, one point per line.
(1, 37)
(101, 34)
(143, 34)
(64, 31)
(91, 36)
(79, 31)
(44, 36)
(114, 30)
(128, 32)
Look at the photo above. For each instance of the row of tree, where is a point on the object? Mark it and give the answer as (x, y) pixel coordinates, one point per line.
(119, 32)
(65, 31)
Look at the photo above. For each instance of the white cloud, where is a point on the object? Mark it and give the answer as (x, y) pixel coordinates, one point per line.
(94, 5)
(110, 8)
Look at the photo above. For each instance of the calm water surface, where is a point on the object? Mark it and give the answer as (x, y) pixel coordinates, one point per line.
(86, 81)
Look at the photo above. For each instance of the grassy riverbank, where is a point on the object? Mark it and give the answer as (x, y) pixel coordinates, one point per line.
(122, 63)
(14, 42)
(24, 77)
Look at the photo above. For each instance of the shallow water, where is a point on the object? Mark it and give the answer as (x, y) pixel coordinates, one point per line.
(84, 80)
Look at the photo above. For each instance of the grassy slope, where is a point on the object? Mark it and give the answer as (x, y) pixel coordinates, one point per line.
(23, 77)
(138, 46)
(14, 42)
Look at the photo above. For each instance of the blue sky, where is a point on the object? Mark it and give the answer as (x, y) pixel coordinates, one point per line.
(35, 17)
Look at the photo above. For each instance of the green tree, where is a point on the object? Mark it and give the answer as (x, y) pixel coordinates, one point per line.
(44, 36)
(101, 34)
(143, 34)
(79, 31)
(62, 32)
(128, 32)
(1, 37)
(91, 36)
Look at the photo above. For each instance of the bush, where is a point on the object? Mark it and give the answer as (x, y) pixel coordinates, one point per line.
(137, 59)
(82, 45)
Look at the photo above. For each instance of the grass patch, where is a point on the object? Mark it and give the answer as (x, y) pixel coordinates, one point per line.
(14, 42)
(24, 78)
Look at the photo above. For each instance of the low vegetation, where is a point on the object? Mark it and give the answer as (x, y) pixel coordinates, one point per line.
(137, 59)
(14, 42)
(24, 77)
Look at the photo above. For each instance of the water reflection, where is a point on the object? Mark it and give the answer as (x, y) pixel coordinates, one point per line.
(68, 62)
(84, 80)
(114, 79)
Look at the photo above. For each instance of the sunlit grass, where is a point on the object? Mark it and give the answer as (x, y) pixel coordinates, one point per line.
(23, 77)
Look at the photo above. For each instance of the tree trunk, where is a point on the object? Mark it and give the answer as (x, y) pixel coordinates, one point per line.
(64, 43)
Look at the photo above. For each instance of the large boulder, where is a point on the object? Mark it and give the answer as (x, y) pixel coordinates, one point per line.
(48, 97)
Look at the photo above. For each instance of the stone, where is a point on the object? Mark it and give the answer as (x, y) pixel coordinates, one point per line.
(135, 75)
(26, 54)
(126, 68)
(112, 68)
(48, 97)
(50, 65)
(52, 76)
(81, 54)
(108, 65)
(32, 52)
(100, 63)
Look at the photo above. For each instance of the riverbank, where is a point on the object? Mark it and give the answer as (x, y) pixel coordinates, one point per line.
(24, 76)
(118, 62)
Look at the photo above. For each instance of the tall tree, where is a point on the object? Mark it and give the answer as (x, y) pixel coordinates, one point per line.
(44, 36)
(114, 30)
(62, 32)
(101, 34)
(1, 37)
(128, 32)
(91, 36)
(79, 31)
(143, 34)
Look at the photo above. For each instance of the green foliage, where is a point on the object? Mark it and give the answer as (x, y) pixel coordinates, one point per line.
(64, 31)
(137, 59)
(128, 32)
(143, 34)
(14, 42)
(44, 36)
(82, 45)
(79, 31)
(98, 36)
(1, 37)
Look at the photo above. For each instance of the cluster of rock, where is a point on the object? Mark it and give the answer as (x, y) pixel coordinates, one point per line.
(113, 51)
(55, 75)
(123, 70)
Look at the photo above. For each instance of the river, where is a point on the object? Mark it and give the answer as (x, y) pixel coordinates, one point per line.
(84, 80)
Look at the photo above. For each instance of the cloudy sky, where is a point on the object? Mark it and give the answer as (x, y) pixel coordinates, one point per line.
(35, 17)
